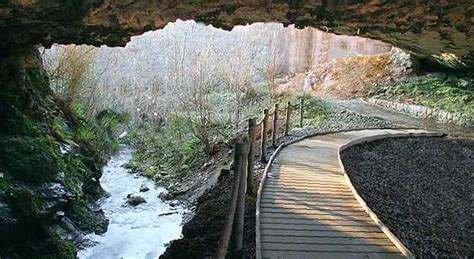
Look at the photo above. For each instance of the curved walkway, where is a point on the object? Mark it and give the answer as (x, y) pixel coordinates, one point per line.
(307, 209)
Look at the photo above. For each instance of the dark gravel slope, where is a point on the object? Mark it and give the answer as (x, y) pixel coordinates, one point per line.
(422, 189)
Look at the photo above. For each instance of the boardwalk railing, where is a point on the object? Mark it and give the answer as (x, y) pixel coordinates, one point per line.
(257, 135)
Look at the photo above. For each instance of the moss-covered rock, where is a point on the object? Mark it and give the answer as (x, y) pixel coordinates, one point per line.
(26, 205)
(45, 167)
(88, 219)
(30, 159)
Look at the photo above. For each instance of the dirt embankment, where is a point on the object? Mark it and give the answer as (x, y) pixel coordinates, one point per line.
(352, 77)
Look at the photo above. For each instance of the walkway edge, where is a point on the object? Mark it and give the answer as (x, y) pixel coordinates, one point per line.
(395, 240)
(258, 244)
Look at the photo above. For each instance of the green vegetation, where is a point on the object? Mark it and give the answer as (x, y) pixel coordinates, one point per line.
(44, 143)
(56, 153)
(452, 96)
(30, 159)
(100, 131)
(315, 111)
(175, 148)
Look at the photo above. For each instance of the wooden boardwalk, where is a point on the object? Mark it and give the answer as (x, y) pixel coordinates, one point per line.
(307, 208)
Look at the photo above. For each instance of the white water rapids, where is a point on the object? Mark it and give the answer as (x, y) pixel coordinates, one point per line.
(133, 232)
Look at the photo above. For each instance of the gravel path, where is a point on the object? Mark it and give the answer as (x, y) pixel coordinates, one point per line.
(341, 119)
(422, 189)
(374, 111)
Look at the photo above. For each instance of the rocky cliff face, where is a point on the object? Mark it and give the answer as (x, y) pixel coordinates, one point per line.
(437, 30)
(309, 48)
(47, 176)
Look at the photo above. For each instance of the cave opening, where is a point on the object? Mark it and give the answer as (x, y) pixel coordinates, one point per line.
(144, 77)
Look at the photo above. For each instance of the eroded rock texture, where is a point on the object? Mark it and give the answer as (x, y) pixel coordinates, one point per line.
(48, 176)
(438, 30)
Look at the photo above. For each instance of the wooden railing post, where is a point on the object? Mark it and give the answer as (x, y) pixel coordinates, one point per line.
(225, 238)
(275, 125)
(263, 150)
(237, 237)
(251, 156)
(287, 122)
(301, 112)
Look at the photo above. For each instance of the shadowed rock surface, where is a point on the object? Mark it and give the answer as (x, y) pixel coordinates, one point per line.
(437, 30)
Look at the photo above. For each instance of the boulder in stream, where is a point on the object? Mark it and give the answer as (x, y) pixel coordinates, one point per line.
(135, 200)
(162, 195)
(173, 204)
(144, 188)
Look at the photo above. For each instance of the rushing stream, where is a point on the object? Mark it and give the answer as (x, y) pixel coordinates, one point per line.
(133, 232)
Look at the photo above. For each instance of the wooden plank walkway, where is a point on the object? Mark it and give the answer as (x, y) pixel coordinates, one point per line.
(307, 209)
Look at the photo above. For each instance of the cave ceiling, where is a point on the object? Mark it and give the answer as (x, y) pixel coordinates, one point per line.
(437, 30)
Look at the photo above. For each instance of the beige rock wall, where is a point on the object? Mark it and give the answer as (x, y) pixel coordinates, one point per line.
(310, 47)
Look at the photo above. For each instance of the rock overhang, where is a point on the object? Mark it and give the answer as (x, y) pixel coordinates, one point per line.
(440, 31)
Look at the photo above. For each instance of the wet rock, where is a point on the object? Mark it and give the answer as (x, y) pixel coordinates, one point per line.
(181, 189)
(88, 219)
(127, 166)
(135, 200)
(144, 188)
(56, 191)
(162, 195)
(67, 230)
(174, 203)
(168, 213)
(6, 216)
(7, 221)
(54, 195)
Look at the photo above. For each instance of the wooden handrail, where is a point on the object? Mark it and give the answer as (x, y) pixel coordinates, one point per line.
(301, 112)
(275, 125)
(237, 237)
(287, 121)
(224, 240)
(251, 156)
(263, 150)
(244, 158)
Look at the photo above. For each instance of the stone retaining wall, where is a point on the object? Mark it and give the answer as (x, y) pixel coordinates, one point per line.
(426, 112)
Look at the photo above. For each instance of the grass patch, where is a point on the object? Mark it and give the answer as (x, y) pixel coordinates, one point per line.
(433, 92)
(315, 111)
